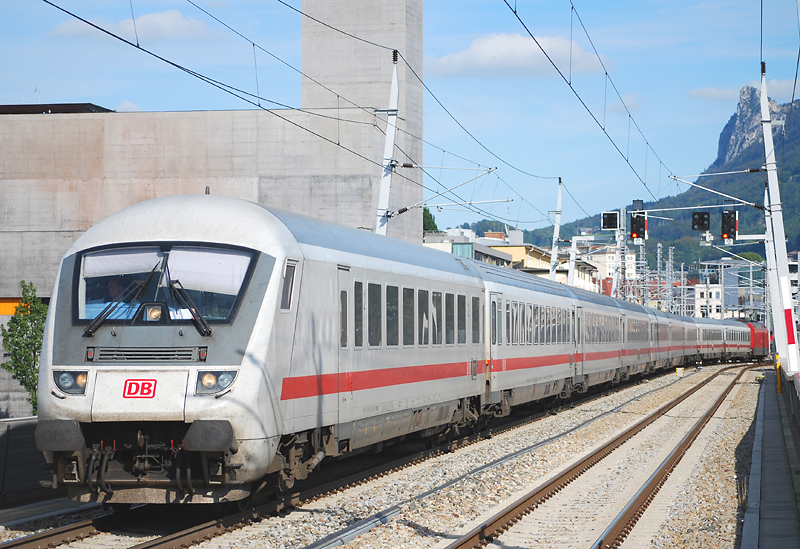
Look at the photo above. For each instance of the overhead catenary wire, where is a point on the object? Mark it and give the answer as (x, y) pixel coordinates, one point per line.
(430, 92)
(480, 211)
(241, 94)
(589, 111)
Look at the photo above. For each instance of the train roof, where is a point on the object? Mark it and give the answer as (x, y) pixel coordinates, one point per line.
(315, 232)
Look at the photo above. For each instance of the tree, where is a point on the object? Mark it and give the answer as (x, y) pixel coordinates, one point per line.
(752, 256)
(428, 221)
(22, 340)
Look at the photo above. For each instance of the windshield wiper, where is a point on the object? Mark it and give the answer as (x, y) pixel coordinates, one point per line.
(186, 302)
(111, 307)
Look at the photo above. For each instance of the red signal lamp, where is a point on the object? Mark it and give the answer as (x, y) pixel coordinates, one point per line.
(634, 235)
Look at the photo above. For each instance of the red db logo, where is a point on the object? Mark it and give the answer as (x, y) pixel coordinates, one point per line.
(139, 388)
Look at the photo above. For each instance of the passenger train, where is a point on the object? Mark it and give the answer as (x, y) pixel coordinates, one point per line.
(200, 348)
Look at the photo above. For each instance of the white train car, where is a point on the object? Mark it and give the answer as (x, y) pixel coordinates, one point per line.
(248, 344)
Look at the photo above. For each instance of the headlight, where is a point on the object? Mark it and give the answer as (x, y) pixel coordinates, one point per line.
(209, 383)
(73, 383)
(152, 313)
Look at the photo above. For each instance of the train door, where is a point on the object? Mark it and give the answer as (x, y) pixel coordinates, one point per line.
(577, 342)
(496, 363)
(621, 340)
(345, 353)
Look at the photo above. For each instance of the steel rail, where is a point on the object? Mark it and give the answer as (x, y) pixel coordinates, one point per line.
(77, 531)
(218, 527)
(499, 523)
(624, 522)
(207, 530)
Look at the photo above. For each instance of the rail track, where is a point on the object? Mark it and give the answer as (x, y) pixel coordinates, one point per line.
(201, 530)
(620, 527)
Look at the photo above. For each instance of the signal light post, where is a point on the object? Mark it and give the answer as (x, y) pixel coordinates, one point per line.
(638, 227)
(701, 221)
(730, 226)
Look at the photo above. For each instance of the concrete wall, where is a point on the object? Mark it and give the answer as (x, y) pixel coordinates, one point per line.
(61, 173)
(364, 72)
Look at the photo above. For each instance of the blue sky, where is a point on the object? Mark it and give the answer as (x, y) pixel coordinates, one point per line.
(678, 65)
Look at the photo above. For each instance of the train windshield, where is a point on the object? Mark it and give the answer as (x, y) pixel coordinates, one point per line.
(207, 279)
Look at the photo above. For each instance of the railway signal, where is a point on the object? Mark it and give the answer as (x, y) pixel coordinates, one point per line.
(610, 221)
(638, 226)
(701, 221)
(730, 224)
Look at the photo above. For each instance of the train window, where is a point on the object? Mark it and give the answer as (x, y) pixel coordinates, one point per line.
(536, 324)
(436, 318)
(529, 327)
(422, 317)
(358, 316)
(343, 318)
(499, 321)
(547, 331)
(374, 309)
(523, 324)
(559, 320)
(514, 323)
(408, 316)
(462, 319)
(571, 324)
(494, 324)
(288, 283)
(449, 319)
(392, 314)
(476, 320)
(508, 322)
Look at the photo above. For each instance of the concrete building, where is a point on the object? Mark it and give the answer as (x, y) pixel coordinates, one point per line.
(61, 173)
(63, 170)
(461, 245)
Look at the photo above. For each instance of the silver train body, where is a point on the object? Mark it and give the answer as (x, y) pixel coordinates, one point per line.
(249, 344)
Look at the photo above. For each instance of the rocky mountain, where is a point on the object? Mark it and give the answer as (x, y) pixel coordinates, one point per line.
(744, 127)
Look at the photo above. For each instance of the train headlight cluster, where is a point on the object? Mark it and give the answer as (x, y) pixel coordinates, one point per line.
(73, 383)
(209, 383)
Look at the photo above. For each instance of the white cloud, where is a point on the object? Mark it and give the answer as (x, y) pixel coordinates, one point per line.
(151, 27)
(512, 56)
(715, 94)
(127, 106)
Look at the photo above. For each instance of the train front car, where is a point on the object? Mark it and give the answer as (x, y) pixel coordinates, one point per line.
(153, 385)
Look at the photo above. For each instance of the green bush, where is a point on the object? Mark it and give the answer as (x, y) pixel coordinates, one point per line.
(22, 340)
